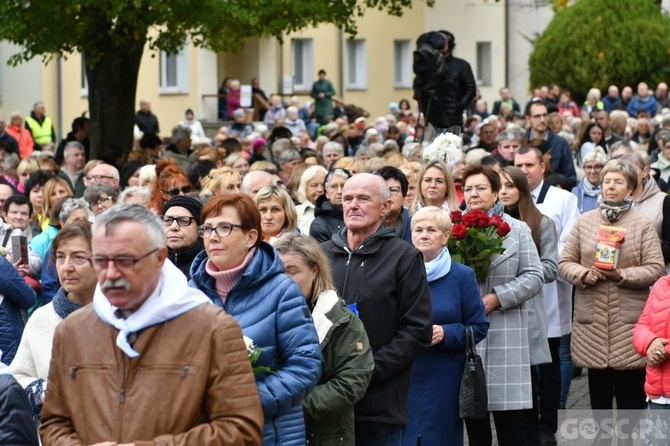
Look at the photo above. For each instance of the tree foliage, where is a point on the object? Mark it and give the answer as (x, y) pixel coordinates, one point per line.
(112, 34)
(596, 43)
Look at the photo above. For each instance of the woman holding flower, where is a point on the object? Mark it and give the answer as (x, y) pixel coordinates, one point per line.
(436, 187)
(513, 275)
(347, 356)
(432, 405)
(245, 276)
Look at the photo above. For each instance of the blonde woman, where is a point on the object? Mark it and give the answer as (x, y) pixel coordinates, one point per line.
(435, 187)
(411, 171)
(224, 179)
(278, 215)
(310, 188)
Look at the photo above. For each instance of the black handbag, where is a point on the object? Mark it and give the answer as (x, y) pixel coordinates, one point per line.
(472, 398)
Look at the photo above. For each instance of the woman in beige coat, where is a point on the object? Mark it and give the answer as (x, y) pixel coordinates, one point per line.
(608, 303)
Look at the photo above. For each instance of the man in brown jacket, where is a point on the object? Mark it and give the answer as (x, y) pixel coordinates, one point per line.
(150, 362)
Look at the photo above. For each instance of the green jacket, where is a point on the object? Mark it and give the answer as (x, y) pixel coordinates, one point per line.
(347, 366)
(79, 188)
(323, 106)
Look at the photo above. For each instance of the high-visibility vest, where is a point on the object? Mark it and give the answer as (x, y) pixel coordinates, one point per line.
(41, 133)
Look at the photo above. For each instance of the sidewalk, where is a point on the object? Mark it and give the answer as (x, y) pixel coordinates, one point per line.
(578, 399)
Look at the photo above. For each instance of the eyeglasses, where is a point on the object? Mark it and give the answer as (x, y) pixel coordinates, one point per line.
(480, 188)
(438, 181)
(121, 262)
(77, 259)
(593, 168)
(103, 201)
(540, 116)
(222, 230)
(395, 190)
(179, 190)
(182, 221)
(97, 178)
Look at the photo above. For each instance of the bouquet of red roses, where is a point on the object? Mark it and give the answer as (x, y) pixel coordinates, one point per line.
(475, 237)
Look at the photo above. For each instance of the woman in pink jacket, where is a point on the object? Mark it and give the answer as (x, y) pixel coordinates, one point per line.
(650, 339)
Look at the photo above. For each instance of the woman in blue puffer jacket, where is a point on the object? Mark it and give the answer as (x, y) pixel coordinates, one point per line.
(244, 275)
(15, 295)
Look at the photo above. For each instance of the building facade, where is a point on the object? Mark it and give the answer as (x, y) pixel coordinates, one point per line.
(370, 70)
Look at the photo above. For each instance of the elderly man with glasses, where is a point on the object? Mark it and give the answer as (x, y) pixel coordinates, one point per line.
(146, 332)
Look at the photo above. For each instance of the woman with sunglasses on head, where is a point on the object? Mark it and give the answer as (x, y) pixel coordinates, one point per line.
(170, 182)
(71, 253)
(245, 276)
(181, 218)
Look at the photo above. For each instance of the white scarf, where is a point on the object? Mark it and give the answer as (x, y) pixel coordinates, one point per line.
(171, 298)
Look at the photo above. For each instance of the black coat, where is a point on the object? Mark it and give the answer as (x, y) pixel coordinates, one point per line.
(452, 95)
(327, 220)
(147, 122)
(184, 259)
(16, 418)
(386, 279)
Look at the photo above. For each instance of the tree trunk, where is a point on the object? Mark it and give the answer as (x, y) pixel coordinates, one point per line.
(112, 83)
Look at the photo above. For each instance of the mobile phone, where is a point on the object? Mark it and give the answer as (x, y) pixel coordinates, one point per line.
(20, 248)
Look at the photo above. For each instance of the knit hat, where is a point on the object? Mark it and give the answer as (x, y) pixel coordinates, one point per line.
(193, 205)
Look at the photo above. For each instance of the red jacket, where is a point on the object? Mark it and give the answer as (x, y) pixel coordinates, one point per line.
(655, 323)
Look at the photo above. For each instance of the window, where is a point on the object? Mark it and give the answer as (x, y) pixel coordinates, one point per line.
(174, 72)
(402, 64)
(84, 78)
(357, 64)
(484, 63)
(302, 64)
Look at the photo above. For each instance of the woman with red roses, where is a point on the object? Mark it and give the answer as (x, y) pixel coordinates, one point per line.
(514, 277)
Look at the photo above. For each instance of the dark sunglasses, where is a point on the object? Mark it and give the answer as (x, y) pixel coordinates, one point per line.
(179, 191)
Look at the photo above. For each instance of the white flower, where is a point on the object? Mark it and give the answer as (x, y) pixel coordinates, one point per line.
(446, 147)
(251, 347)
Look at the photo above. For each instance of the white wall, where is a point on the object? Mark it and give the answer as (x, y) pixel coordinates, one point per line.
(20, 86)
(527, 18)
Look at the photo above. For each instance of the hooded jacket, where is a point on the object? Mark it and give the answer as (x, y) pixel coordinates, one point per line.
(386, 279)
(347, 370)
(272, 311)
(327, 220)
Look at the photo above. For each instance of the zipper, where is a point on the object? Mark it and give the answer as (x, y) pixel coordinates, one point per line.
(346, 271)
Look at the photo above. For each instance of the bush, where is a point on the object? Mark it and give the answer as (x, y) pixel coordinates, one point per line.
(596, 43)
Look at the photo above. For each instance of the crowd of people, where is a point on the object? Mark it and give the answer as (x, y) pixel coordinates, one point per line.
(289, 281)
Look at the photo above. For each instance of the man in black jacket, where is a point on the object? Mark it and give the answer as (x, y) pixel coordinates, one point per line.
(443, 103)
(146, 121)
(385, 279)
